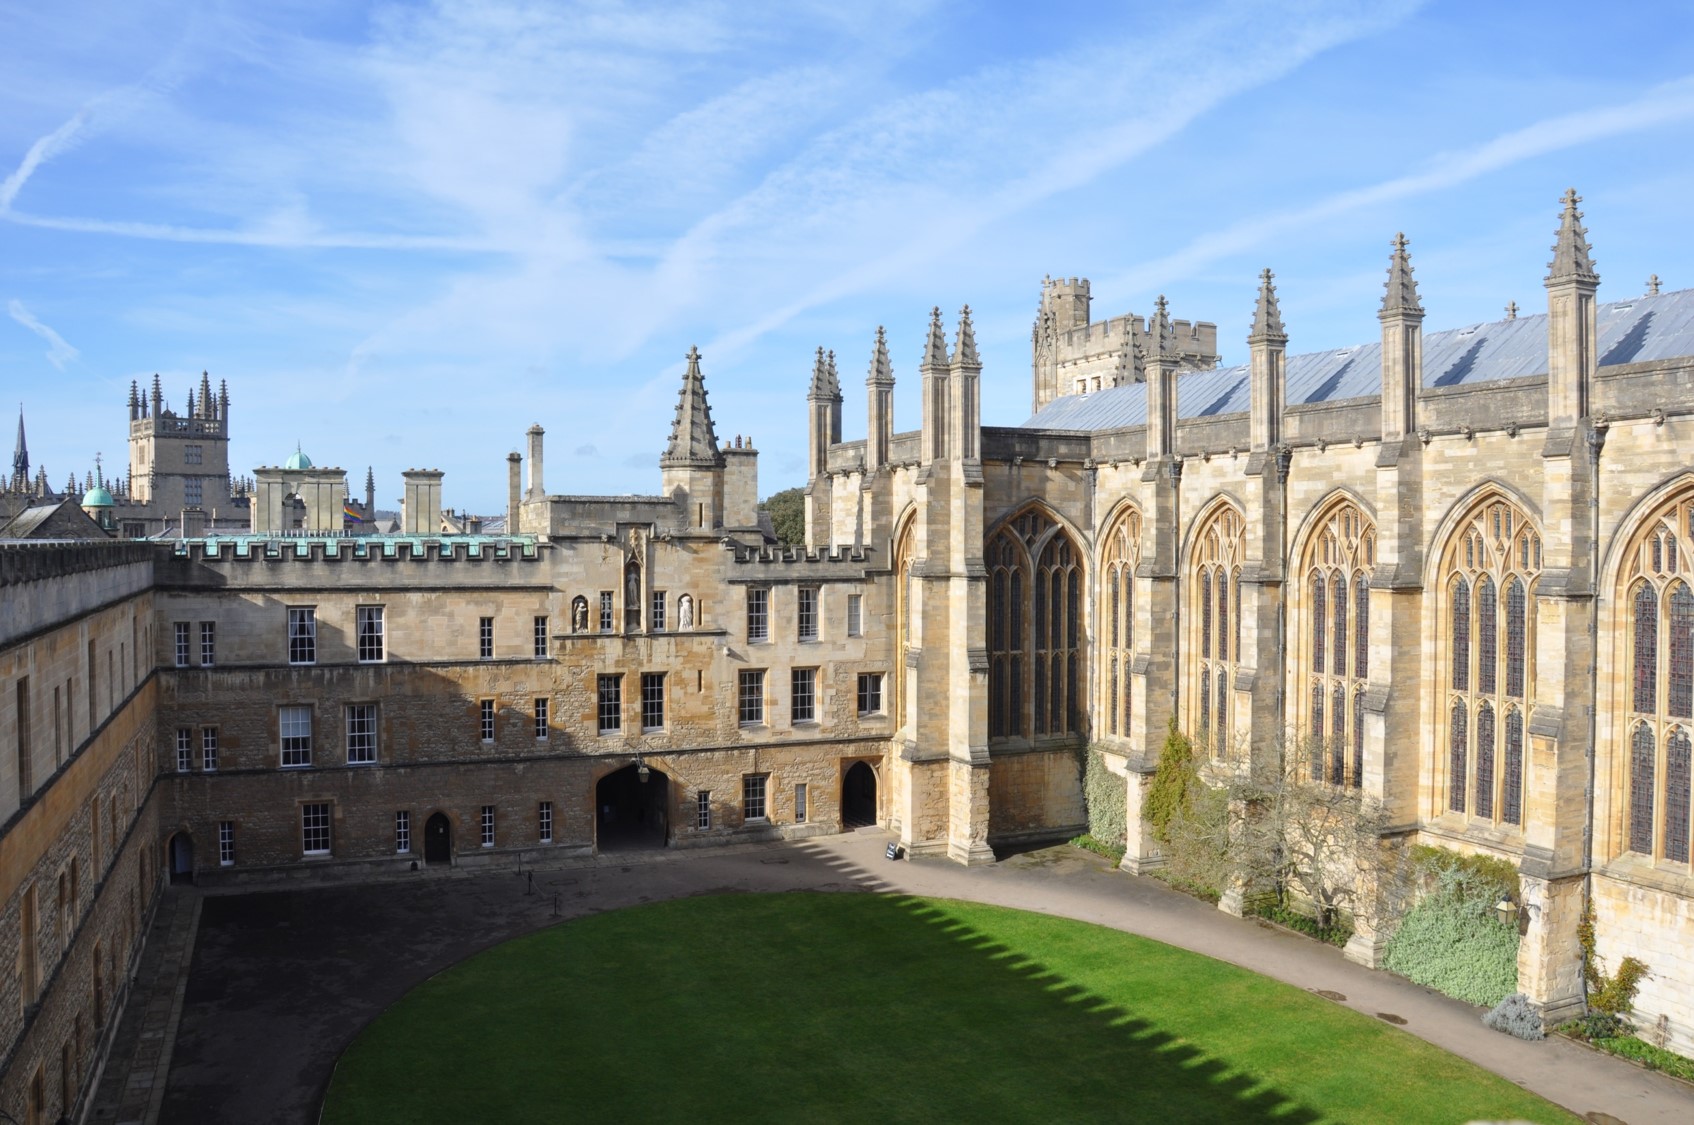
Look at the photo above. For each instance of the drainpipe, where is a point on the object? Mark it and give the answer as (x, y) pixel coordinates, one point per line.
(1175, 470)
(1596, 442)
(1284, 460)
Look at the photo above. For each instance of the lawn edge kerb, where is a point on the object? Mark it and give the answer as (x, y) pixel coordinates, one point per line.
(1302, 1087)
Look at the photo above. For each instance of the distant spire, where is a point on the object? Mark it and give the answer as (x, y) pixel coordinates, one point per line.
(191, 413)
(20, 451)
(693, 444)
(1401, 298)
(1267, 317)
(964, 352)
(1161, 330)
(1571, 261)
(882, 371)
(834, 378)
(134, 400)
(223, 399)
(206, 395)
(370, 476)
(935, 346)
(1652, 285)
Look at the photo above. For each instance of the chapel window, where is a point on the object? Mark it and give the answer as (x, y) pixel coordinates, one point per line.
(1118, 560)
(1337, 565)
(1034, 578)
(1219, 551)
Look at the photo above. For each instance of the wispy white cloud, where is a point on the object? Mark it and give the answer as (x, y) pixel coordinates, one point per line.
(59, 353)
(1663, 105)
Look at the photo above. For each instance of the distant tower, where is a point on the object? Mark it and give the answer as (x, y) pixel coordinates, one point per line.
(20, 453)
(692, 466)
(1064, 306)
(180, 461)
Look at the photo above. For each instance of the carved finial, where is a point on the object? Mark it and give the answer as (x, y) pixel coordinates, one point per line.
(964, 354)
(834, 380)
(1401, 298)
(819, 390)
(1267, 317)
(882, 371)
(1511, 310)
(1160, 328)
(1571, 259)
(935, 346)
(1652, 285)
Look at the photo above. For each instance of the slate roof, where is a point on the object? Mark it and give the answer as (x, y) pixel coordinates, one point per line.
(1659, 326)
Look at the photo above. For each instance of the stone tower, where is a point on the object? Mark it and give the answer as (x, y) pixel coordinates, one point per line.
(692, 466)
(179, 461)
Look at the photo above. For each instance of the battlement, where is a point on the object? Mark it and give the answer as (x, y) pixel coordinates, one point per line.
(798, 564)
(47, 559)
(317, 548)
(169, 425)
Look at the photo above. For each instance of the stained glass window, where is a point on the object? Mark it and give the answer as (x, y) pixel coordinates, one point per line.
(1487, 636)
(1319, 616)
(1679, 646)
(1641, 790)
(1516, 630)
(1646, 695)
(1338, 734)
(1317, 732)
(1511, 790)
(1677, 796)
(1205, 615)
(1461, 636)
(1485, 761)
(1457, 747)
(1338, 602)
(1358, 739)
(1361, 626)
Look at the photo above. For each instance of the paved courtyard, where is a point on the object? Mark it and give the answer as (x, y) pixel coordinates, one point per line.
(281, 980)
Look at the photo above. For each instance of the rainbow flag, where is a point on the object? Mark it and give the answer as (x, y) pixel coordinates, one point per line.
(348, 511)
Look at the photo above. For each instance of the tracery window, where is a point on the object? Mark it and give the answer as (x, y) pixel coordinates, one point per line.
(1215, 585)
(1034, 580)
(1337, 564)
(1661, 695)
(1489, 573)
(1121, 551)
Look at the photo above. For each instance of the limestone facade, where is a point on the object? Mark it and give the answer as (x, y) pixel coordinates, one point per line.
(1457, 563)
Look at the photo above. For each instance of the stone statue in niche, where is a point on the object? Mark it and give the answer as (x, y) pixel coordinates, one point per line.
(579, 615)
(685, 612)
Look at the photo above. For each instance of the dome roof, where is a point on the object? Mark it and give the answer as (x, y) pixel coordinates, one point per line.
(97, 497)
(297, 460)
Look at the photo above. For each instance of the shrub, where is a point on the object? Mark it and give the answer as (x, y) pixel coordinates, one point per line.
(1105, 796)
(1168, 795)
(1610, 998)
(1451, 942)
(1515, 1015)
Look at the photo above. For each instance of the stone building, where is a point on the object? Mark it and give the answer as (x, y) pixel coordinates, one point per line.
(1457, 563)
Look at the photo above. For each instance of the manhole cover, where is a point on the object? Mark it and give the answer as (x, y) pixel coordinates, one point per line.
(1390, 1017)
(1328, 995)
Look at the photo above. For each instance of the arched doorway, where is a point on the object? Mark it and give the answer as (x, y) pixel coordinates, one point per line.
(632, 809)
(438, 839)
(182, 858)
(858, 796)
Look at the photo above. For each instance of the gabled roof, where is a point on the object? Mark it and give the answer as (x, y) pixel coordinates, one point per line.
(1653, 327)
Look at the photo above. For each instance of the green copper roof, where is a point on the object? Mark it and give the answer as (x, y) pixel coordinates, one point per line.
(297, 460)
(98, 497)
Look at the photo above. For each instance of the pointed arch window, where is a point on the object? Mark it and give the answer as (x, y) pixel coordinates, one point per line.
(1121, 552)
(1034, 574)
(1337, 563)
(1215, 581)
(1660, 698)
(904, 561)
(1489, 571)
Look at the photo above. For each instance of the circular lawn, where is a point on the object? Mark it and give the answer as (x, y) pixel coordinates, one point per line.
(855, 1007)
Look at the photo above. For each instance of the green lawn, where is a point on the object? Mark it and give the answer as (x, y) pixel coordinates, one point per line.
(849, 1007)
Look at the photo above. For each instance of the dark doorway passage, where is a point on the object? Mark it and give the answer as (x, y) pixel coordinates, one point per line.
(182, 858)
(438, 839)
(631, 812)
(858, 797)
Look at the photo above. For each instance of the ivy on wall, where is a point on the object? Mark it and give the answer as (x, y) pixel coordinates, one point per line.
(1106, 796)
(1452, 940)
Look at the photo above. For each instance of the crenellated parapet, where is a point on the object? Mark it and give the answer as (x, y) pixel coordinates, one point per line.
(798, 564)
(363, 548)
(22, 563)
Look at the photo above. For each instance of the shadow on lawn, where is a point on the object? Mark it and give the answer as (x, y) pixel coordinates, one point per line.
(1163, 1076)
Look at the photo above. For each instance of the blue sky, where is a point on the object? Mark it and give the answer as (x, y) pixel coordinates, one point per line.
(404, 232)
